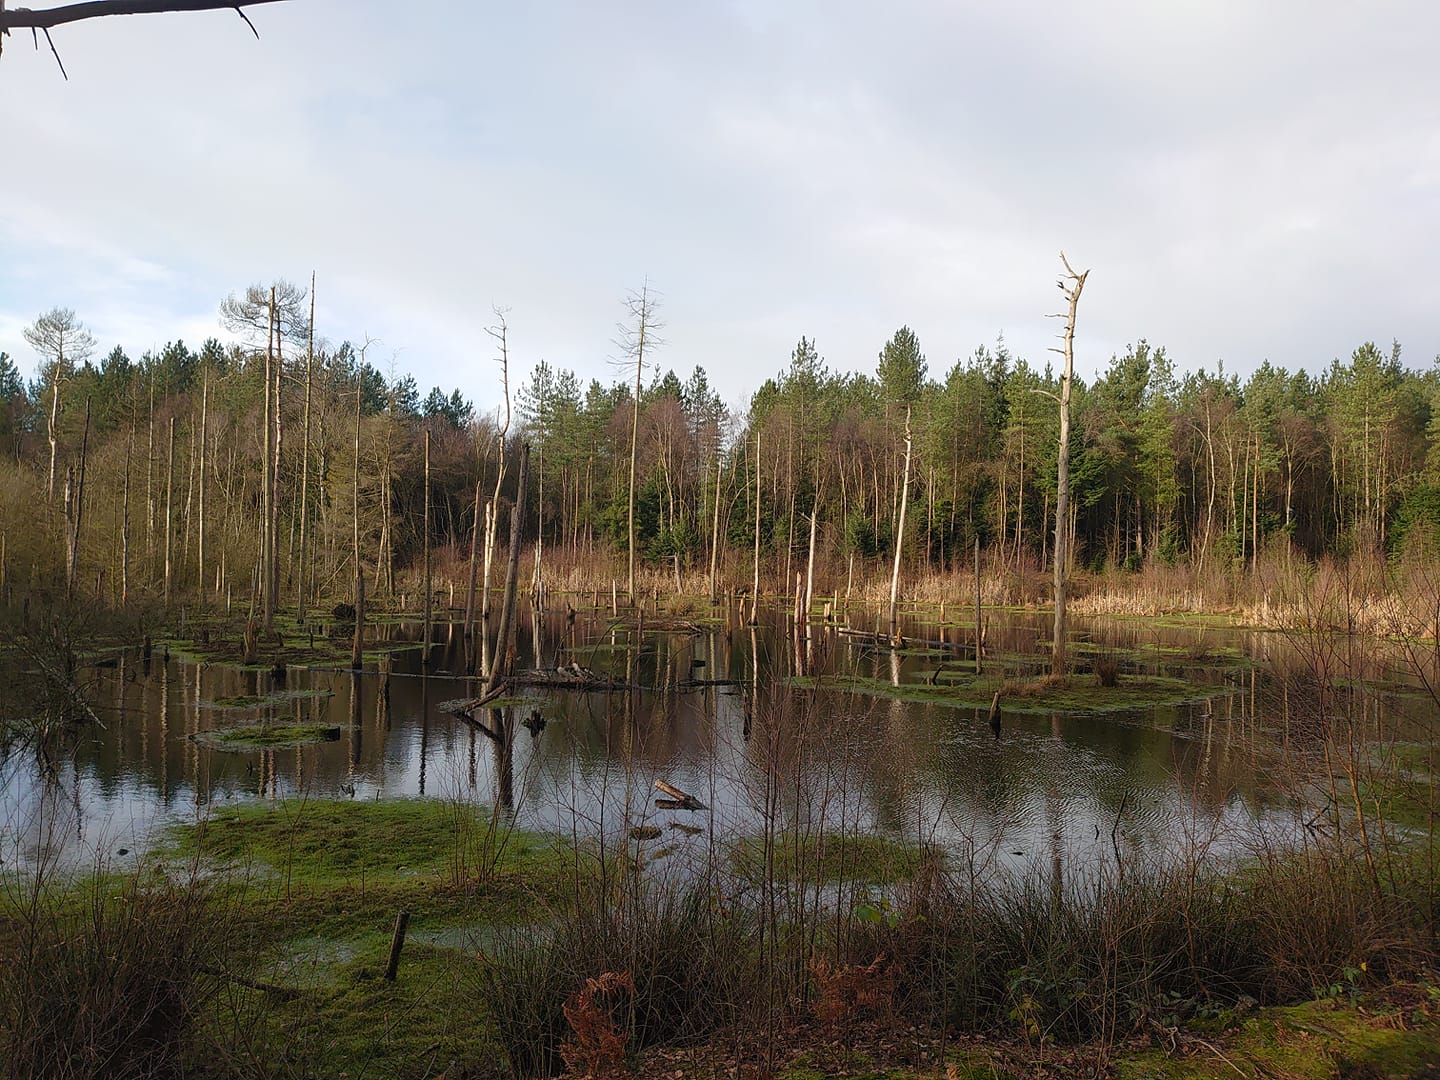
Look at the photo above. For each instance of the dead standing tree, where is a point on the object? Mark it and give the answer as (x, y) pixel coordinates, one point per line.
(1071, 285)
(637, 337)
(46, 19)
(501, 333)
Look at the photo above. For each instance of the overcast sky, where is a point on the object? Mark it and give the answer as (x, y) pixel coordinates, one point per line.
(1247, 179)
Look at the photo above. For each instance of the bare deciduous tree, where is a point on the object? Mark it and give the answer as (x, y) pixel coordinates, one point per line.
(64, 342)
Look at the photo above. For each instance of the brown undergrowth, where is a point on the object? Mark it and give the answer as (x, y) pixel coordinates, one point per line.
(597, 1050)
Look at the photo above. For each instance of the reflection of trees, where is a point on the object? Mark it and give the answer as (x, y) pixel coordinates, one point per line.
(1052, 786)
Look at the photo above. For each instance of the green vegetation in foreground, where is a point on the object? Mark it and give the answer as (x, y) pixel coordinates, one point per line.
(829, 857)
(267, 736)
(1377, 1036)
(314, 887)
(1074, 694)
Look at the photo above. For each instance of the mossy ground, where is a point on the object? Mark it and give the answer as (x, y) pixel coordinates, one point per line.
(314, 886)
(1389, 1035)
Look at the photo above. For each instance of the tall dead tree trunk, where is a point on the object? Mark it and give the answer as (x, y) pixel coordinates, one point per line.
(74, 510)
(512, 574)
(1071, 284)
(900, 529)
(429, 589)
(810, 561)
(302, 586)
(169, 507)
(715, 528)
(200, 529)
(501, 333)
(755, 587)
(275, 467)
(357, 643)
(52, 426)
(267, 495)
(474, 566)
(125, 520)
(979, 625)
(150, 489)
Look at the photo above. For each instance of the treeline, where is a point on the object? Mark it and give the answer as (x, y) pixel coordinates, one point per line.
(171, 473)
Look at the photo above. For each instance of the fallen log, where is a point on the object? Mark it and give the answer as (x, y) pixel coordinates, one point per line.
(694, 684)
(464, 706)
(573, 677)
(678, 800)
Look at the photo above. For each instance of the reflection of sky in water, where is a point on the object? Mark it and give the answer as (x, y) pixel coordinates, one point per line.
(1046, 788)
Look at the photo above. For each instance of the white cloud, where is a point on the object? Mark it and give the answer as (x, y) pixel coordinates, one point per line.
(1246, 180)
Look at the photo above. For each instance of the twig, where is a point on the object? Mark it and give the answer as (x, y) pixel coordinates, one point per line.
(241, 12)
(1115, 832)
(51, 42)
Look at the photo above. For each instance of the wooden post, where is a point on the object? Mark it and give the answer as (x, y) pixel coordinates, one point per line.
(397, 942)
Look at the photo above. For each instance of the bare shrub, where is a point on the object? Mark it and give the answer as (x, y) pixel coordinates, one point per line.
(105, 980)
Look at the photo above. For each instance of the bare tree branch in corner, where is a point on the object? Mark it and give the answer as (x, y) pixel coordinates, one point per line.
(46, 18)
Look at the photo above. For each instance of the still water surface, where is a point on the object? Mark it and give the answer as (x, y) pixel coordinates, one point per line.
(1219, 771)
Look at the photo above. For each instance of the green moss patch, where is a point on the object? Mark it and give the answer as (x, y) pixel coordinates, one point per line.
(1314, 1041)
(335, 843)
(267, 736)
(262, 701)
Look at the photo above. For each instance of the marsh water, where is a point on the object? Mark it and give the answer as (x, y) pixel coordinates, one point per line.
(745, 718)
